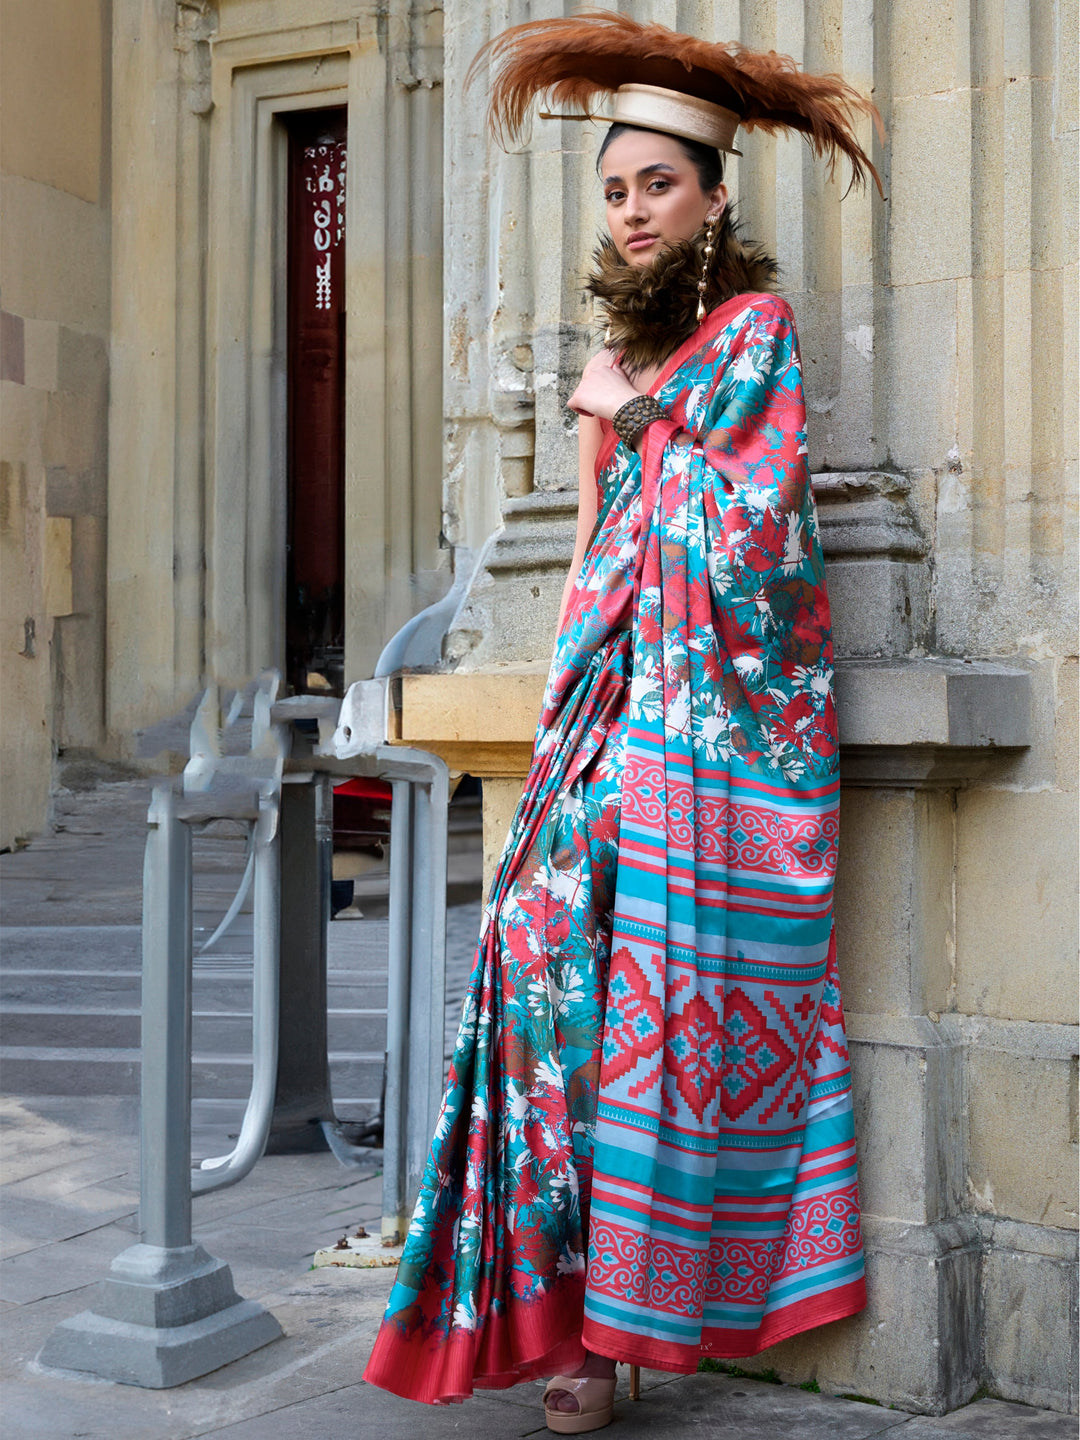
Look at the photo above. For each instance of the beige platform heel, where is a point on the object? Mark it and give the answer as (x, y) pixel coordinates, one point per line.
(595, 1398)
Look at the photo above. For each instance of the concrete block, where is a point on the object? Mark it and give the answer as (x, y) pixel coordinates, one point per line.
(82, 363)
(1021, 1162)
(55, 253)
(916, 335)
(501, 798)
(502, 704)
(1016, 932)
(1029, 1285)
(929, 134)
(42, 343)
(164, 1316)
(70, 493)
(1066, 722)
(88, 573)
(909, 1092)
(916, 1345)
(57, 566)
(927, 48)
(52, 79)
(893, 899)
(78, 645)
(879, 607)
(12, 348)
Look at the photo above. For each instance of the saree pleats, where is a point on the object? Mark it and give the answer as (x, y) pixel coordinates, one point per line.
(651, 1074)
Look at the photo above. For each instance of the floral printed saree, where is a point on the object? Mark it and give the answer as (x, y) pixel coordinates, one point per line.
(646, 1143)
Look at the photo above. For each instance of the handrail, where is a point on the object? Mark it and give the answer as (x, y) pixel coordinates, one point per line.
(220, 1171)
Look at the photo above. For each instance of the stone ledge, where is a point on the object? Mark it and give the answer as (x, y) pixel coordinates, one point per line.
(1046, 1041)
(1026, 1038)
(886, 1235)
(1022, 1238)
(947, 703)
(908, 722)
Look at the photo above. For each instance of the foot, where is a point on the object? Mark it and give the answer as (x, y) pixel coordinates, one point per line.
(596, 1367)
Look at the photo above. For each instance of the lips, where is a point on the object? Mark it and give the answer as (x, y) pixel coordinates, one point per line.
(640, 240)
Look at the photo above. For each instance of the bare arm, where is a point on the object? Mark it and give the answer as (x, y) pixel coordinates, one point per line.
(589, 437)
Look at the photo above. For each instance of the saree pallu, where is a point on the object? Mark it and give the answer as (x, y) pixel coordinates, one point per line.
(651, 1073)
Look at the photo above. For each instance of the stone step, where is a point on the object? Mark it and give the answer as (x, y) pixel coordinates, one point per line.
(97, 989)
(71, 947)
(224, 1032)
(57, 1070)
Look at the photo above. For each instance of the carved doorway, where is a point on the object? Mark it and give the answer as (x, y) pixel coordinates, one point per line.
(315, 534)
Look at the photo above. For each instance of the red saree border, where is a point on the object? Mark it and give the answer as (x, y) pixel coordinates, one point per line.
(526, 1351)
(713, 322)
(728, 1344)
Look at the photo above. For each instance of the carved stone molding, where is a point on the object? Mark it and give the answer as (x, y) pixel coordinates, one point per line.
(876, 560)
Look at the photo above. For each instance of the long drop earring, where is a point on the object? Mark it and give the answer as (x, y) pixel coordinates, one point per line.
(703, 283)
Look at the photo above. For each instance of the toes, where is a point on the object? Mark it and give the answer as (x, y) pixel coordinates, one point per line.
(562, 1401)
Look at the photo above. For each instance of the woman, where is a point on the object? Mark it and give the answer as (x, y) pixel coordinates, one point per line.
(646, 1151)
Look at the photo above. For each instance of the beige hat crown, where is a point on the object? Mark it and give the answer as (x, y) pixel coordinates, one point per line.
(674, 113)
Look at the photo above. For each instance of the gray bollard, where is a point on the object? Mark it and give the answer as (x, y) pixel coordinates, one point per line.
(167, 1311)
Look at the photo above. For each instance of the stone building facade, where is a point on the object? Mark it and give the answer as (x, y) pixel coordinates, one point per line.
(142, 523)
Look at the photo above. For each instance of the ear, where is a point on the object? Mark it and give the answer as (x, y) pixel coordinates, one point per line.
(718, 200)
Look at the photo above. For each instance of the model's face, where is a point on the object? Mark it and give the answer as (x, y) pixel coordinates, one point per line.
(653, 195)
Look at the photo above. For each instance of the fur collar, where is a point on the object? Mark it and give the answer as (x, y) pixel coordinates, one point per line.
(651, 309)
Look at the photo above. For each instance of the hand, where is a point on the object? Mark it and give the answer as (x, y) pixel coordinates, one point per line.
(603, 387)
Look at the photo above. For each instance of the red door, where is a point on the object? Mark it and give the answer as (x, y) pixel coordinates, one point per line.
(315, 606)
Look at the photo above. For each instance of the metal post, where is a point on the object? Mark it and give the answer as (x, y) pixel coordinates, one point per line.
(302, 1095)
(394, 1191)
(167, 1311)
(416, 993)
(165, 1111)
(427, 997)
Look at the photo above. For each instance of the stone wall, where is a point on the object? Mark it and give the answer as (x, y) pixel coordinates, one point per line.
(197, 566)
(54, 376)
(939, 345)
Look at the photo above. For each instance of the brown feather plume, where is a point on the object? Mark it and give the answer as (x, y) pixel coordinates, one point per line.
(574, 60)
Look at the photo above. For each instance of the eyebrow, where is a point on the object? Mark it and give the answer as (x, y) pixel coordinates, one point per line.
(648, 170)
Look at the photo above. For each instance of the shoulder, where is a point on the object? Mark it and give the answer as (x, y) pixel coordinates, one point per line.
(765, 308)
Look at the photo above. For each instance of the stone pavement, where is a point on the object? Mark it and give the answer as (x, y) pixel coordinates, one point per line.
(67, 1207)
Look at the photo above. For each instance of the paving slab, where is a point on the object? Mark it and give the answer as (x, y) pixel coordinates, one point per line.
(995, 1420)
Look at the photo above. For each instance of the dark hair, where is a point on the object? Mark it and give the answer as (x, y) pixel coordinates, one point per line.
(708, 163)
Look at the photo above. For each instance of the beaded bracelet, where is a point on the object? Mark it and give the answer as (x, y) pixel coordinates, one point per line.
(630, 419)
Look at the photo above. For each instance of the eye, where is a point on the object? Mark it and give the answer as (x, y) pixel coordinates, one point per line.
(663, 184)
(614, 195)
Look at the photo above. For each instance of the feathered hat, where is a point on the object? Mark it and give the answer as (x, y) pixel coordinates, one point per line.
(673, 83)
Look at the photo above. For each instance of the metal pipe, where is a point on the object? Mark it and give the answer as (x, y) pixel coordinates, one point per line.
(416, 1003)
(238, 899)
(224, 1170)
(428, 972)
(397, 1013)
(165, 1115)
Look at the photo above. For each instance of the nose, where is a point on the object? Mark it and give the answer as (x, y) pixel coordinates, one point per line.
(637, 210)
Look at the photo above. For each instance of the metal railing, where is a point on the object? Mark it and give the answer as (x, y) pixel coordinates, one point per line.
(168, 1311)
